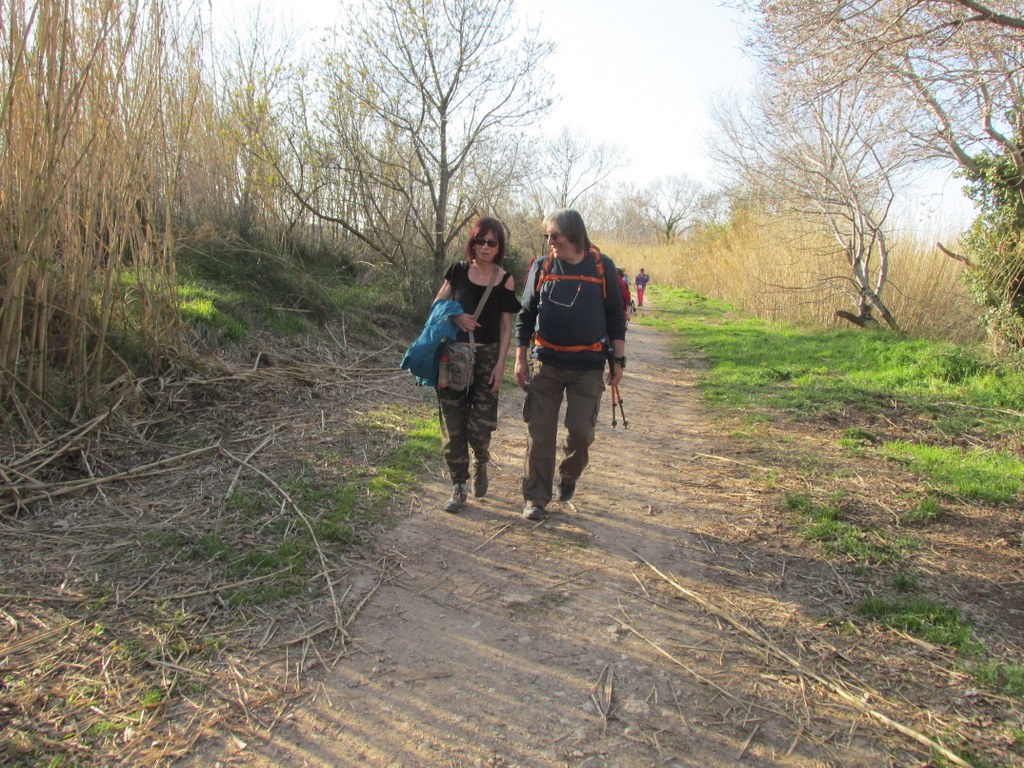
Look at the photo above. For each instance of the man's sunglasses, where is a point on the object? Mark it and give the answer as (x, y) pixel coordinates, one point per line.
(484, 241)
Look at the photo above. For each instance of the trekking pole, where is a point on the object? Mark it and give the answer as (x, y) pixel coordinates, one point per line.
(616, 398)
(612, 388)
(617, 401)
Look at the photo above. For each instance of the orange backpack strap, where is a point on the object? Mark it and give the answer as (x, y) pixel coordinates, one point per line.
(549, 263)
(595, 347)
(599, 263)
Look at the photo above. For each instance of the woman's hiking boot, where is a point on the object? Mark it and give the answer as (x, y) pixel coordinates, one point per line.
(458, 499)
(480, 484)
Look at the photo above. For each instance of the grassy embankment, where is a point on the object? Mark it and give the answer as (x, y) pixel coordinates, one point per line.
(170, 589)
(237, 294)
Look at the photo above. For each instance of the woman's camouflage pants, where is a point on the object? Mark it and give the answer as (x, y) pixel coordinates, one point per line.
(468, 418)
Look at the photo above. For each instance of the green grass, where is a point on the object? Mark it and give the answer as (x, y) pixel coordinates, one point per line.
(758, 369)
(942, 625)
(152, 697)
(198, 305)
(225, 290)
(977, 475)
(336, 505)
(1008, 679)
(810, 372)
(905, 582)
(925, 511)
(825, 525)
(925, 618)
(420, 443)
(857, 441)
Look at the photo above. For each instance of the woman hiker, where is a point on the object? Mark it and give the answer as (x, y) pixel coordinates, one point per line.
(468, 417)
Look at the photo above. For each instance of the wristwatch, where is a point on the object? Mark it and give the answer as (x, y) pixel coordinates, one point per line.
(620, 360)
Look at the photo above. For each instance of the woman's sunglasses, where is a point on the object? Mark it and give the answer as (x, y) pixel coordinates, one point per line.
(484, 241)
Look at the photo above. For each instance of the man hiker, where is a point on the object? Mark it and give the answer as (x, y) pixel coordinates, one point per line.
(572, 316)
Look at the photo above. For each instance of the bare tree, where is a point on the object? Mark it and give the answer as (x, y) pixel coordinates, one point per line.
(959, 66)
(987, 12)
(421, 105)
(960, 62)
(619, 214)
(567, 171)
(830, 156)
(571, 166)
(675, 203)
(255, 77)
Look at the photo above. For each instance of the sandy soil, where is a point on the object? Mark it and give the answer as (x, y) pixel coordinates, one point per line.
(623, 631)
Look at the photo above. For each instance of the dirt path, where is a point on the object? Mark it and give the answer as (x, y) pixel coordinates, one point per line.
(492, 641)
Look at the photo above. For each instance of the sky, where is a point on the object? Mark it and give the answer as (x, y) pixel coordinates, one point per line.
(635, 74)
(641, 75)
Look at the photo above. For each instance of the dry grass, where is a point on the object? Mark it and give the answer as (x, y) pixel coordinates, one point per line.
(775, 270)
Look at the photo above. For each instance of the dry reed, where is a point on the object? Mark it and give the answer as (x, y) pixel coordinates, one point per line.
(781, 271)
(94, 117)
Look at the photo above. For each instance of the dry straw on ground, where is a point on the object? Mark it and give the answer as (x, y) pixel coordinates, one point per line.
(116, 647)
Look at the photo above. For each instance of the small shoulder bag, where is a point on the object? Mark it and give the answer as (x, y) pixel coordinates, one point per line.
(459, 357)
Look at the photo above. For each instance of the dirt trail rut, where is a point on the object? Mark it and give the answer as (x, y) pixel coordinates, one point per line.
(493, 641)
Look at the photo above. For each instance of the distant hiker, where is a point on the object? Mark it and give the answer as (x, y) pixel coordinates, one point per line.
(642, 279)
(470, 416)
(627, 297)
(572, 311)
(632, 301)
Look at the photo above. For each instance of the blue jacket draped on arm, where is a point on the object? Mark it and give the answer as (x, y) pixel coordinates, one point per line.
(422, 357)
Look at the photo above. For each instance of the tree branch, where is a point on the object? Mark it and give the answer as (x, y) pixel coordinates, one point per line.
(987, 14)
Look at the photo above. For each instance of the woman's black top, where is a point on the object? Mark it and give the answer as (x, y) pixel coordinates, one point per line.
(468, 294)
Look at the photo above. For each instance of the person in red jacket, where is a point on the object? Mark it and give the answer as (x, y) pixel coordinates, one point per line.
(627, 297)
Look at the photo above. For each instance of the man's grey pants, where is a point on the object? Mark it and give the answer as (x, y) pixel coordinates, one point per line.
(583, 391)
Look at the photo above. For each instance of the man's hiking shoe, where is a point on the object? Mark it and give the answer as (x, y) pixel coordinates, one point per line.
(480, 481)
(458, 499)
(566, 490)
(533, 511)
